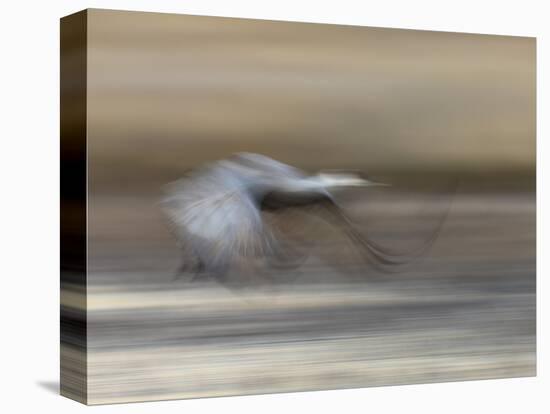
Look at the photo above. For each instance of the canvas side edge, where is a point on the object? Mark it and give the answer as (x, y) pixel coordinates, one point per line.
(73, 210)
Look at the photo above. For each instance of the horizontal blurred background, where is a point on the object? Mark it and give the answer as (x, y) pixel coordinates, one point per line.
(419, 109)
(168, 92)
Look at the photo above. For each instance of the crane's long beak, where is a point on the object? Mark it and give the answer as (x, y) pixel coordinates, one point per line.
(345, 180)
(368, 183)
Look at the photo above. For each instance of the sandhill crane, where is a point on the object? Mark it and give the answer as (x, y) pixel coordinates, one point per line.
(216, 211)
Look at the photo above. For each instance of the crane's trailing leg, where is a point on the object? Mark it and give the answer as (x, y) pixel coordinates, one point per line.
(190, 270)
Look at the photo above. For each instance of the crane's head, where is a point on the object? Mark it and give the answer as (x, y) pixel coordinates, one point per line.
(347, 179)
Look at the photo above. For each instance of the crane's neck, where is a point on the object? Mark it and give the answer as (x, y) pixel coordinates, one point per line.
(320, 183)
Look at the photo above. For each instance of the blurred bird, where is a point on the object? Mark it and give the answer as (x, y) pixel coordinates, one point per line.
(216, 212)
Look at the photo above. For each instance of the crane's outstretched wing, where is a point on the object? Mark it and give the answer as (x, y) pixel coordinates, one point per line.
(383, 257)
(325, 209)
(333, 212)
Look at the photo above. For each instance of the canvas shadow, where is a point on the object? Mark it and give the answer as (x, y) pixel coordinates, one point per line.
(50, 386)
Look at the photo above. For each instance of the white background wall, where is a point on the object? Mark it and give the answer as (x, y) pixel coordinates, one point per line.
(29, 206)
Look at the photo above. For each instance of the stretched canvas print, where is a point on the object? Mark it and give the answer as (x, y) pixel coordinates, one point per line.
(254, 206)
